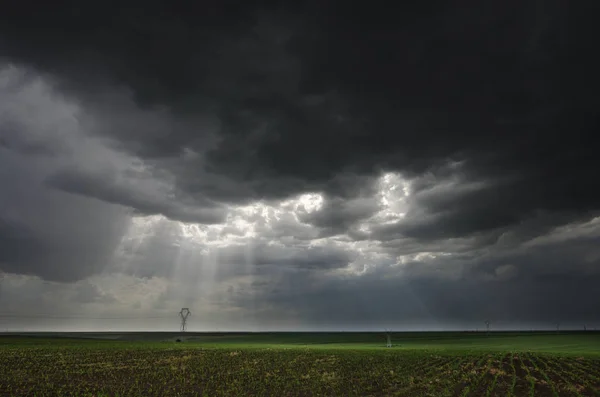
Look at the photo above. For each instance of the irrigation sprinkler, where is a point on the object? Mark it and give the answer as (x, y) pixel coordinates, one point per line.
(184, 314)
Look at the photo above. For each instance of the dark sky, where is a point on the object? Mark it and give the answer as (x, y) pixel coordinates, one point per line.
(320, 165)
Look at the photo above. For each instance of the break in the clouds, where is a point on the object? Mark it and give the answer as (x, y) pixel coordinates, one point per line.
(311, 166)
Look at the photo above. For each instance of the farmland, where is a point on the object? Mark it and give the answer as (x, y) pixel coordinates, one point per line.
(344, 364)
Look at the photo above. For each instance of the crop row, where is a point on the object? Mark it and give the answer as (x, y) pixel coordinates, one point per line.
(290, 372)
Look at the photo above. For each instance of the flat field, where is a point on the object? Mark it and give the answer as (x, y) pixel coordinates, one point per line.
(294, 364)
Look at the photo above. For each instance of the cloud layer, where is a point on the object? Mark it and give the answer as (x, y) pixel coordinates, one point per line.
(297, 167)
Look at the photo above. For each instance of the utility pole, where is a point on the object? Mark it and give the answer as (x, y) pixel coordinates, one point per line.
(388, 335)
(184, 314)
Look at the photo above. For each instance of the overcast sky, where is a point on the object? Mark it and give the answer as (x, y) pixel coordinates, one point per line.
(324, 166)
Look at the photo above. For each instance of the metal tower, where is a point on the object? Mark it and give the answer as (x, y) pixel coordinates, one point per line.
(388, 335)
(184, 314)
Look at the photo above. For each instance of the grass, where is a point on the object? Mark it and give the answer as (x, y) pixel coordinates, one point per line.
(295, 364)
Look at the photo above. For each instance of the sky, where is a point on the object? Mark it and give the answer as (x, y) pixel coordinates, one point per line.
(314, 166)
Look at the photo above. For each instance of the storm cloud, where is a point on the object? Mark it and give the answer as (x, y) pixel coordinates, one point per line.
(314, 165)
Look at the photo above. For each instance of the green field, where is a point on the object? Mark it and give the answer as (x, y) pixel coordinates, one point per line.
(293, 364)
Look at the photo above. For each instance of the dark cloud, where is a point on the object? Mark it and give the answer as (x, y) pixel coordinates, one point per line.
(71, 244)
(301, 100)
(482, 115)
(301, 257)
(337, 215)
(18, 244)
(529, 286)
(108, 188)
(441, 304)
(48, 233)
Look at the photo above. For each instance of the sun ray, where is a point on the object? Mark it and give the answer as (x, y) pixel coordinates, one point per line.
(140, 230)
